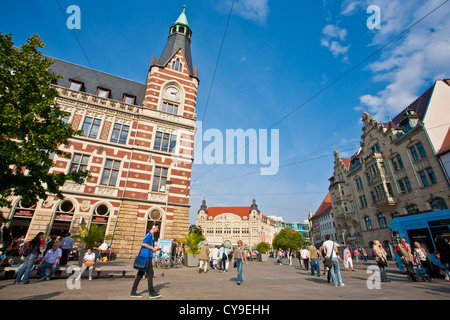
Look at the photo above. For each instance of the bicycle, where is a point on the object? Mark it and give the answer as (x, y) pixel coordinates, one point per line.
(176, 262)
(162, 261)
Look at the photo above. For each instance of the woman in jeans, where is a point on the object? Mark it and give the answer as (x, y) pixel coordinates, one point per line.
(28, 261)
(239, 257)
(381, 258)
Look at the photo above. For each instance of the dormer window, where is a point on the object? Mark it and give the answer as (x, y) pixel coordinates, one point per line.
(103, 93)
(75, 85)
(129, 99)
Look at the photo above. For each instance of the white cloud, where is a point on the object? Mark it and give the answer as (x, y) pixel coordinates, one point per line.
(253, 10)
(411, 63)
(332, 38)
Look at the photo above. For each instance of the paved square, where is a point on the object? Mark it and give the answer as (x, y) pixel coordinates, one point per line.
(262, 281)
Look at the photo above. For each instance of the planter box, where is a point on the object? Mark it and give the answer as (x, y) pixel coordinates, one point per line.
(264, 257)
(191, 260)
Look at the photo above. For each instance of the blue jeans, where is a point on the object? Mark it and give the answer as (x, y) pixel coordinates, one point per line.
(45, 265)
(25, 270)
(315, 266)
(239, 265)
(335, 267)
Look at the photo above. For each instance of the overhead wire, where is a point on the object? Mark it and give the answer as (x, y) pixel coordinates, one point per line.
(336, 80)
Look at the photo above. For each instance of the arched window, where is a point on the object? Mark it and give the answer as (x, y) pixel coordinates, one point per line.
(100, 216)
(382, 221)
(438, 204)
(395, 215)
(154, 218)
(368, 222)
(63, 218)
(412, 208)
(21, 219)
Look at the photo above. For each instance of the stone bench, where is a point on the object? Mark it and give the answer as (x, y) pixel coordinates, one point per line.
(112, 270)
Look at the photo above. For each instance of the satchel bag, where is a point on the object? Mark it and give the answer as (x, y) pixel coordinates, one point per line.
(141, 263)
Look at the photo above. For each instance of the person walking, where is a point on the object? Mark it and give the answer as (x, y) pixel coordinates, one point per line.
(280, 256)
(147, 249)
(239, 258)
(331, 253)
(313, 259)
(222, 258)
(381, 259)
(364, 254)
(289, 255)
(348, 258)
(356, 254)
(204, 258)
(66, 246)
(51, 260)
(88, 263)
(305, 257)
(28, 261)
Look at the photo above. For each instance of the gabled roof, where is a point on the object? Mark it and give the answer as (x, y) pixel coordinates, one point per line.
(419, 106)
(325, 207)
(240, 211)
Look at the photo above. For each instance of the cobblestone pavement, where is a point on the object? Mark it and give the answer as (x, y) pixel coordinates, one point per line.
(262, 281)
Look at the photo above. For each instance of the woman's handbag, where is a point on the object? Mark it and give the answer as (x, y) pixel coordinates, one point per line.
(89, 263)
(140, 263)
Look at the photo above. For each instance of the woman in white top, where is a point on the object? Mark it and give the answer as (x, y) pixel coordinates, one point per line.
(88, 262)
(348, 262)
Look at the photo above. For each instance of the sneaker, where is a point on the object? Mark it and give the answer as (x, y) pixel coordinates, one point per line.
(135, 295)
(341, 285)
(154, 295)
(239, 283)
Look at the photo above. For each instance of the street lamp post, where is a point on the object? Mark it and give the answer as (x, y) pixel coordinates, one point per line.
(343, 236)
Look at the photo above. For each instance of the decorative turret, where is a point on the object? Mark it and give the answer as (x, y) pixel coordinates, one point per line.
(179, 38)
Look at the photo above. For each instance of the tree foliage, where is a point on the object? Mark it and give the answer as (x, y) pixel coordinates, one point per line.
(288, 238)
(263, 247)
(93, 236)
(30, 124)
(192, 240)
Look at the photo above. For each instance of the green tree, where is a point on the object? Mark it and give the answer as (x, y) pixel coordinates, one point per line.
(288, 238)
(30, 124)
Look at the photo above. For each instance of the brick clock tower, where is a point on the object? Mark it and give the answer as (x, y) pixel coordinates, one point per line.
(172, 81)
(137, 142)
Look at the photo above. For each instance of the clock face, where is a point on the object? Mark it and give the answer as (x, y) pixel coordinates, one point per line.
(172, 93)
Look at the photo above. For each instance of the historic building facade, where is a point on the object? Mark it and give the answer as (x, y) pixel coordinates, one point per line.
(227, 225)
(348, 230)
(322, 223)
(396, 171)
(137, 142)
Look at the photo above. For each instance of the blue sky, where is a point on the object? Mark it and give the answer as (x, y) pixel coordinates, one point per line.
(276, 56)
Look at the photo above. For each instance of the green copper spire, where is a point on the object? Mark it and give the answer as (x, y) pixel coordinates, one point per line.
(181, 25)
(182, 18)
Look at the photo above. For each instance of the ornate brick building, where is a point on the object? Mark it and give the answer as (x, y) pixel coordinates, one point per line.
(137, 142)
(396, 171)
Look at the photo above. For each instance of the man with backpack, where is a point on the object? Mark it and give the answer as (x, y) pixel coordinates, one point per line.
(30, 251)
